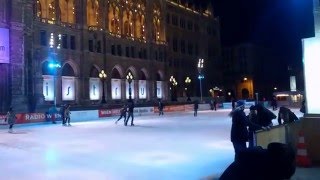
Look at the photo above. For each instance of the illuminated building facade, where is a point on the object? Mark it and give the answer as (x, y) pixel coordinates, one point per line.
(53, 50)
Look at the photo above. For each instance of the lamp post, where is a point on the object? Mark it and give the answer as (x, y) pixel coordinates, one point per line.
(103, 77)
(173, 84)
(187, 81)
(129, 78)
(200, 77)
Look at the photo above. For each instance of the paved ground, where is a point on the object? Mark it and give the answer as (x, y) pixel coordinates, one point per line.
(174, 146)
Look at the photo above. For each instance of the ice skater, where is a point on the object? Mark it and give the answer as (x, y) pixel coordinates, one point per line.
(130, 113)
(196, 106)
(123, 113)
(11, 118)
(67, 115)
(160, 107)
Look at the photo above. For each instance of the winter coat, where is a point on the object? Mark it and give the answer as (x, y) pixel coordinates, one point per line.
(253, 119)
(196, 106)
(160, 106)
(11, 118)
(67, 113)
(287, 115)
(265, 116)
(131, 107)
(239, 131)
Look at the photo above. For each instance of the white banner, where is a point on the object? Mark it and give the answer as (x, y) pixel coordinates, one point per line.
(142, 89)
(132, 89)
(159, 89)
(4, 45)
(116, 88)
(94, 88)
(68, 88)
(48, 88)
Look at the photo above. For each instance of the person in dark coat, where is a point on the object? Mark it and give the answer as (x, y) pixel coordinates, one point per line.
(253, 118)
(195, 107)
(286, 115)
(215, 105)
(160, 107)
(233, 103)
(274, 103)
(130, 113)
(123, 113)
(11, 118)
(265, 116)
(239, 131)
(277, 162)
(303, 107)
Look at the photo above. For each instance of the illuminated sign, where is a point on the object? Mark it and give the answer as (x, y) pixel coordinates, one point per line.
(68, 88)
(4, 45)
(142, 89)
(293, 86)
(48, 85)
(94, 88)
(132, 90)
(159, 89)
(116, 88)
(311, 56)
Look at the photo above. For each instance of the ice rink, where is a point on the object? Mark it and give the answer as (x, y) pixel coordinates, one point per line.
(174, 146)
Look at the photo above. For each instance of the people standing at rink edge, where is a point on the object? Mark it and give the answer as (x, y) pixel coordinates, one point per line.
(123, 113)
(239, 132)
(11, 118)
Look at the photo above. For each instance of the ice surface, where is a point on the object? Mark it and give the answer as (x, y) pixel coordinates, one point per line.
(174, 146)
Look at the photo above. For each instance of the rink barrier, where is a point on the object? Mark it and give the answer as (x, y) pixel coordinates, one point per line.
(97, 114)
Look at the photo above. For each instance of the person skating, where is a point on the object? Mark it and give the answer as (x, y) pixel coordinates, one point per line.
(67, 115)
(123, 113)
(11, 118)
(130, 113)
(160, 107)
(195, 107)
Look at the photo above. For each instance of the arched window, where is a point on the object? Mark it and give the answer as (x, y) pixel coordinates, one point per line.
(143, 76)
(114, 19)
(67, 11)
(67, 70)
(92, 13)
(127, 23)
(140, 20)
(156, 31)
(94, 72)
(46, 9)
(115, 74)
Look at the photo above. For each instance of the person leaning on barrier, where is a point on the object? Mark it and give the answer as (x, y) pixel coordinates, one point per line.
(286, 115)
(265, 116)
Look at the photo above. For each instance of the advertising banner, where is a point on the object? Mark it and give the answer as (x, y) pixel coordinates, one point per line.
(116, 88)
(94, 88)
(48, 87)
(142, 89)
(4, 46)
(132, 90)
(159, 89)
(293, 85)
(68, 88)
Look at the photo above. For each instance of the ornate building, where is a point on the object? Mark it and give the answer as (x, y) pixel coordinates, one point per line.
(52, 51)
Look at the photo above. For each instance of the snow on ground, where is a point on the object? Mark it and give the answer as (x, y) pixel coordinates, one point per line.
(174, 146)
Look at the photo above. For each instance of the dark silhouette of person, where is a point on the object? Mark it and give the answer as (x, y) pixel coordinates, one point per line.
(123, 114)
(195, 107)
(274, 103)
(160, 107)
(286, 115)
(265, 116)
(303, 107)
(233, 103)
(130, 113)
(277, 162)
(215, 105)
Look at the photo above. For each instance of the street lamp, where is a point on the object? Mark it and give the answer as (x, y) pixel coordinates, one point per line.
(173, 84)
(55, 66)
(129, 78)
(187, 81)
(200, 77)
(103, 77)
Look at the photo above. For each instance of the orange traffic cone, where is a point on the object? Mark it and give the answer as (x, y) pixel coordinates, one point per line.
(302, 158)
